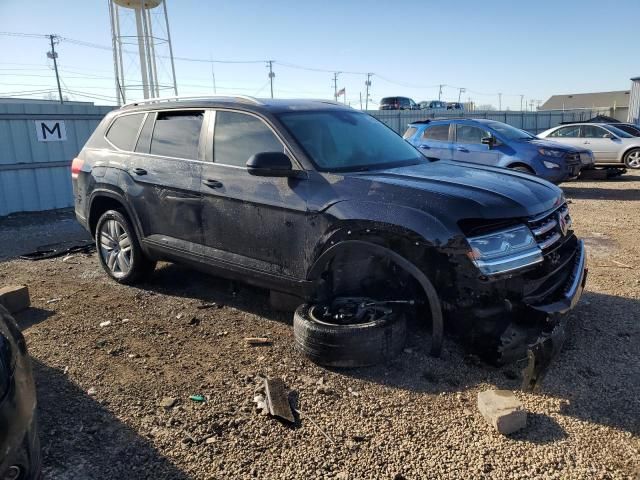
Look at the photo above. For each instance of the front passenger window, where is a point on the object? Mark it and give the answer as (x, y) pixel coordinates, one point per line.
(469, 134)
(239, 136)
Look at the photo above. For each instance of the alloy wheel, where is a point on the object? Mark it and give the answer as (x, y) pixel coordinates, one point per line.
(115, 248)
(633, 159)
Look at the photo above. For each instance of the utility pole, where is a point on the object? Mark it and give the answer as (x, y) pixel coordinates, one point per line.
(271, 75)
(440, 92)
(53, 55)
(360, 100)
(366, 98)
(521, 98)
(335, 85)
(460, 92)
(499, 102)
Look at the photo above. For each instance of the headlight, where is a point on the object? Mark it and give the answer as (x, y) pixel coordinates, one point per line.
(504, 250)
(547, 152)
(550, 164)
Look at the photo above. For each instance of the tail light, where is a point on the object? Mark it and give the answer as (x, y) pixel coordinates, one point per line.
(76, 167)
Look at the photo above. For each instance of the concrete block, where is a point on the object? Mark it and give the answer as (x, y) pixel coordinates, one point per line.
(15, 298)
(502, 410)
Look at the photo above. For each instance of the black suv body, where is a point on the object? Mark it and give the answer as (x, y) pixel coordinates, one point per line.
(315, 199)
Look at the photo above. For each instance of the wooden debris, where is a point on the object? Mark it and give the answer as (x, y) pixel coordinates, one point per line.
(277, 399)
(257, 341)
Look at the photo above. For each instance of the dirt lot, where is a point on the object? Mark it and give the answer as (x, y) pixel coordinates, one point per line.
(100, 388)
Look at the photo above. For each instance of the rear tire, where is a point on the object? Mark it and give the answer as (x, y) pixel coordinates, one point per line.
(348, 346)
(632, 158)
(119, 250)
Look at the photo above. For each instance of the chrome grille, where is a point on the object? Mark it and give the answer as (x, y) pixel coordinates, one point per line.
(550, 227)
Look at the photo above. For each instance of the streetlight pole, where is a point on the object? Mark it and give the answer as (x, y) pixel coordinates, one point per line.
(499, 102)
(335, 85)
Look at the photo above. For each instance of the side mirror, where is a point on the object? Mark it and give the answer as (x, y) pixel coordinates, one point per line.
(491, 141)
(608, 135)
(270, 164)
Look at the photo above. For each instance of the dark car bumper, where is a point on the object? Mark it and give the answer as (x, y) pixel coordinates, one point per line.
(546, 347)
(19, 444)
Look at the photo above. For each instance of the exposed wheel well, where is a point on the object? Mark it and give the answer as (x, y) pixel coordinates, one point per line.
(521, 165)
(384, 270)
(101, 204)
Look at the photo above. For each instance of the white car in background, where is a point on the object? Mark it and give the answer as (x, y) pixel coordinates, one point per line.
(611, 146)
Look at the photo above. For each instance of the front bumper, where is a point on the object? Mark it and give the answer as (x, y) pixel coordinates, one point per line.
(572, 290)
(543, 350)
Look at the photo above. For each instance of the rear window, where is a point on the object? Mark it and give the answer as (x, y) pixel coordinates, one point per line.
(409, 133)
(437, 132)
(124, 131)
(389, 100)
(177, 134)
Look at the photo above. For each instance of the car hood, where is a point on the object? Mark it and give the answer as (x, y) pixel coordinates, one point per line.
(465, 190)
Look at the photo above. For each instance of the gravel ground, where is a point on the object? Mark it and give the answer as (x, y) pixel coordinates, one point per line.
(101, 388)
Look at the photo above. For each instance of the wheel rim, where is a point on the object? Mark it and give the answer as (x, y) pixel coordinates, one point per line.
(115, 248)
(633, 159)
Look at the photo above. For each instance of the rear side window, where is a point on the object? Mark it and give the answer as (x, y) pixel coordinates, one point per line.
(409, 133)
(124, 131)
(572, 131)
(591, 131)
(437, 132)
(389, 100)
(176, 134)
(238, 136)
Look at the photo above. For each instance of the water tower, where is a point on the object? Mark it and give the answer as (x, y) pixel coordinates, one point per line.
(141, 49)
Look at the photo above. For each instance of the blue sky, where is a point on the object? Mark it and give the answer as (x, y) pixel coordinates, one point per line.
(515, 47)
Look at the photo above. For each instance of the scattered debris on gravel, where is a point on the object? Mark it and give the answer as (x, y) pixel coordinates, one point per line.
(114, 401)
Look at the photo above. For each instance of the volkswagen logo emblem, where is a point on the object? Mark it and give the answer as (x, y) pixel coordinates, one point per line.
(562, 223)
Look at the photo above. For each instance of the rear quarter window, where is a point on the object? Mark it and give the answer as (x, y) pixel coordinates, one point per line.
(410, 132)
(124, 131)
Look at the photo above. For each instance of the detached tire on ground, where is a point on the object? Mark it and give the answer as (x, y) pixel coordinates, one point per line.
(350, 345)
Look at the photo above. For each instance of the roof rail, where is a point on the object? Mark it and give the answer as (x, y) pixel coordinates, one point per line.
(148, 101)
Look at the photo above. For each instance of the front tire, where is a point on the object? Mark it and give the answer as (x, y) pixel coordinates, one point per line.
(632, 158)
(119, 250)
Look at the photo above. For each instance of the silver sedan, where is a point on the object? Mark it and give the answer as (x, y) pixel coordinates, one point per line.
(610, 145)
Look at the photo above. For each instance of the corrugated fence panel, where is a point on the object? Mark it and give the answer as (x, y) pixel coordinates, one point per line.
(534, 122)
(25, 187)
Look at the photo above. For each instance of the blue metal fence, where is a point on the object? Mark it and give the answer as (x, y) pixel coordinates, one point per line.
(533, 122)
(35, 160)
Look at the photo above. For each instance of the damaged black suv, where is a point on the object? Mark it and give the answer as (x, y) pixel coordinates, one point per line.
(318, 200)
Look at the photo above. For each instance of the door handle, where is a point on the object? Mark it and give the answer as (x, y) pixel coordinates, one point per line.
(461, 149)
(211, 183)
(586, 142)
(426, 147)
(139, 171)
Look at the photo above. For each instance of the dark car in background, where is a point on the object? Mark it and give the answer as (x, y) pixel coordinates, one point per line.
(19, 443)
(433, 105)
(487, 142)
(398, 103)
(317, 200)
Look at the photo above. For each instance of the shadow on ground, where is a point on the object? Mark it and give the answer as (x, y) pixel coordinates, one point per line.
(180, 281)
(577, 190)
(80, 438)
(591, 375)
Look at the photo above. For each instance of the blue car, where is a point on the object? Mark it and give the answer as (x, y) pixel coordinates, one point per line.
(496, 144)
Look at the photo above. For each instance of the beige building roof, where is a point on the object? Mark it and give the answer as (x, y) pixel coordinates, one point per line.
(587, 100)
